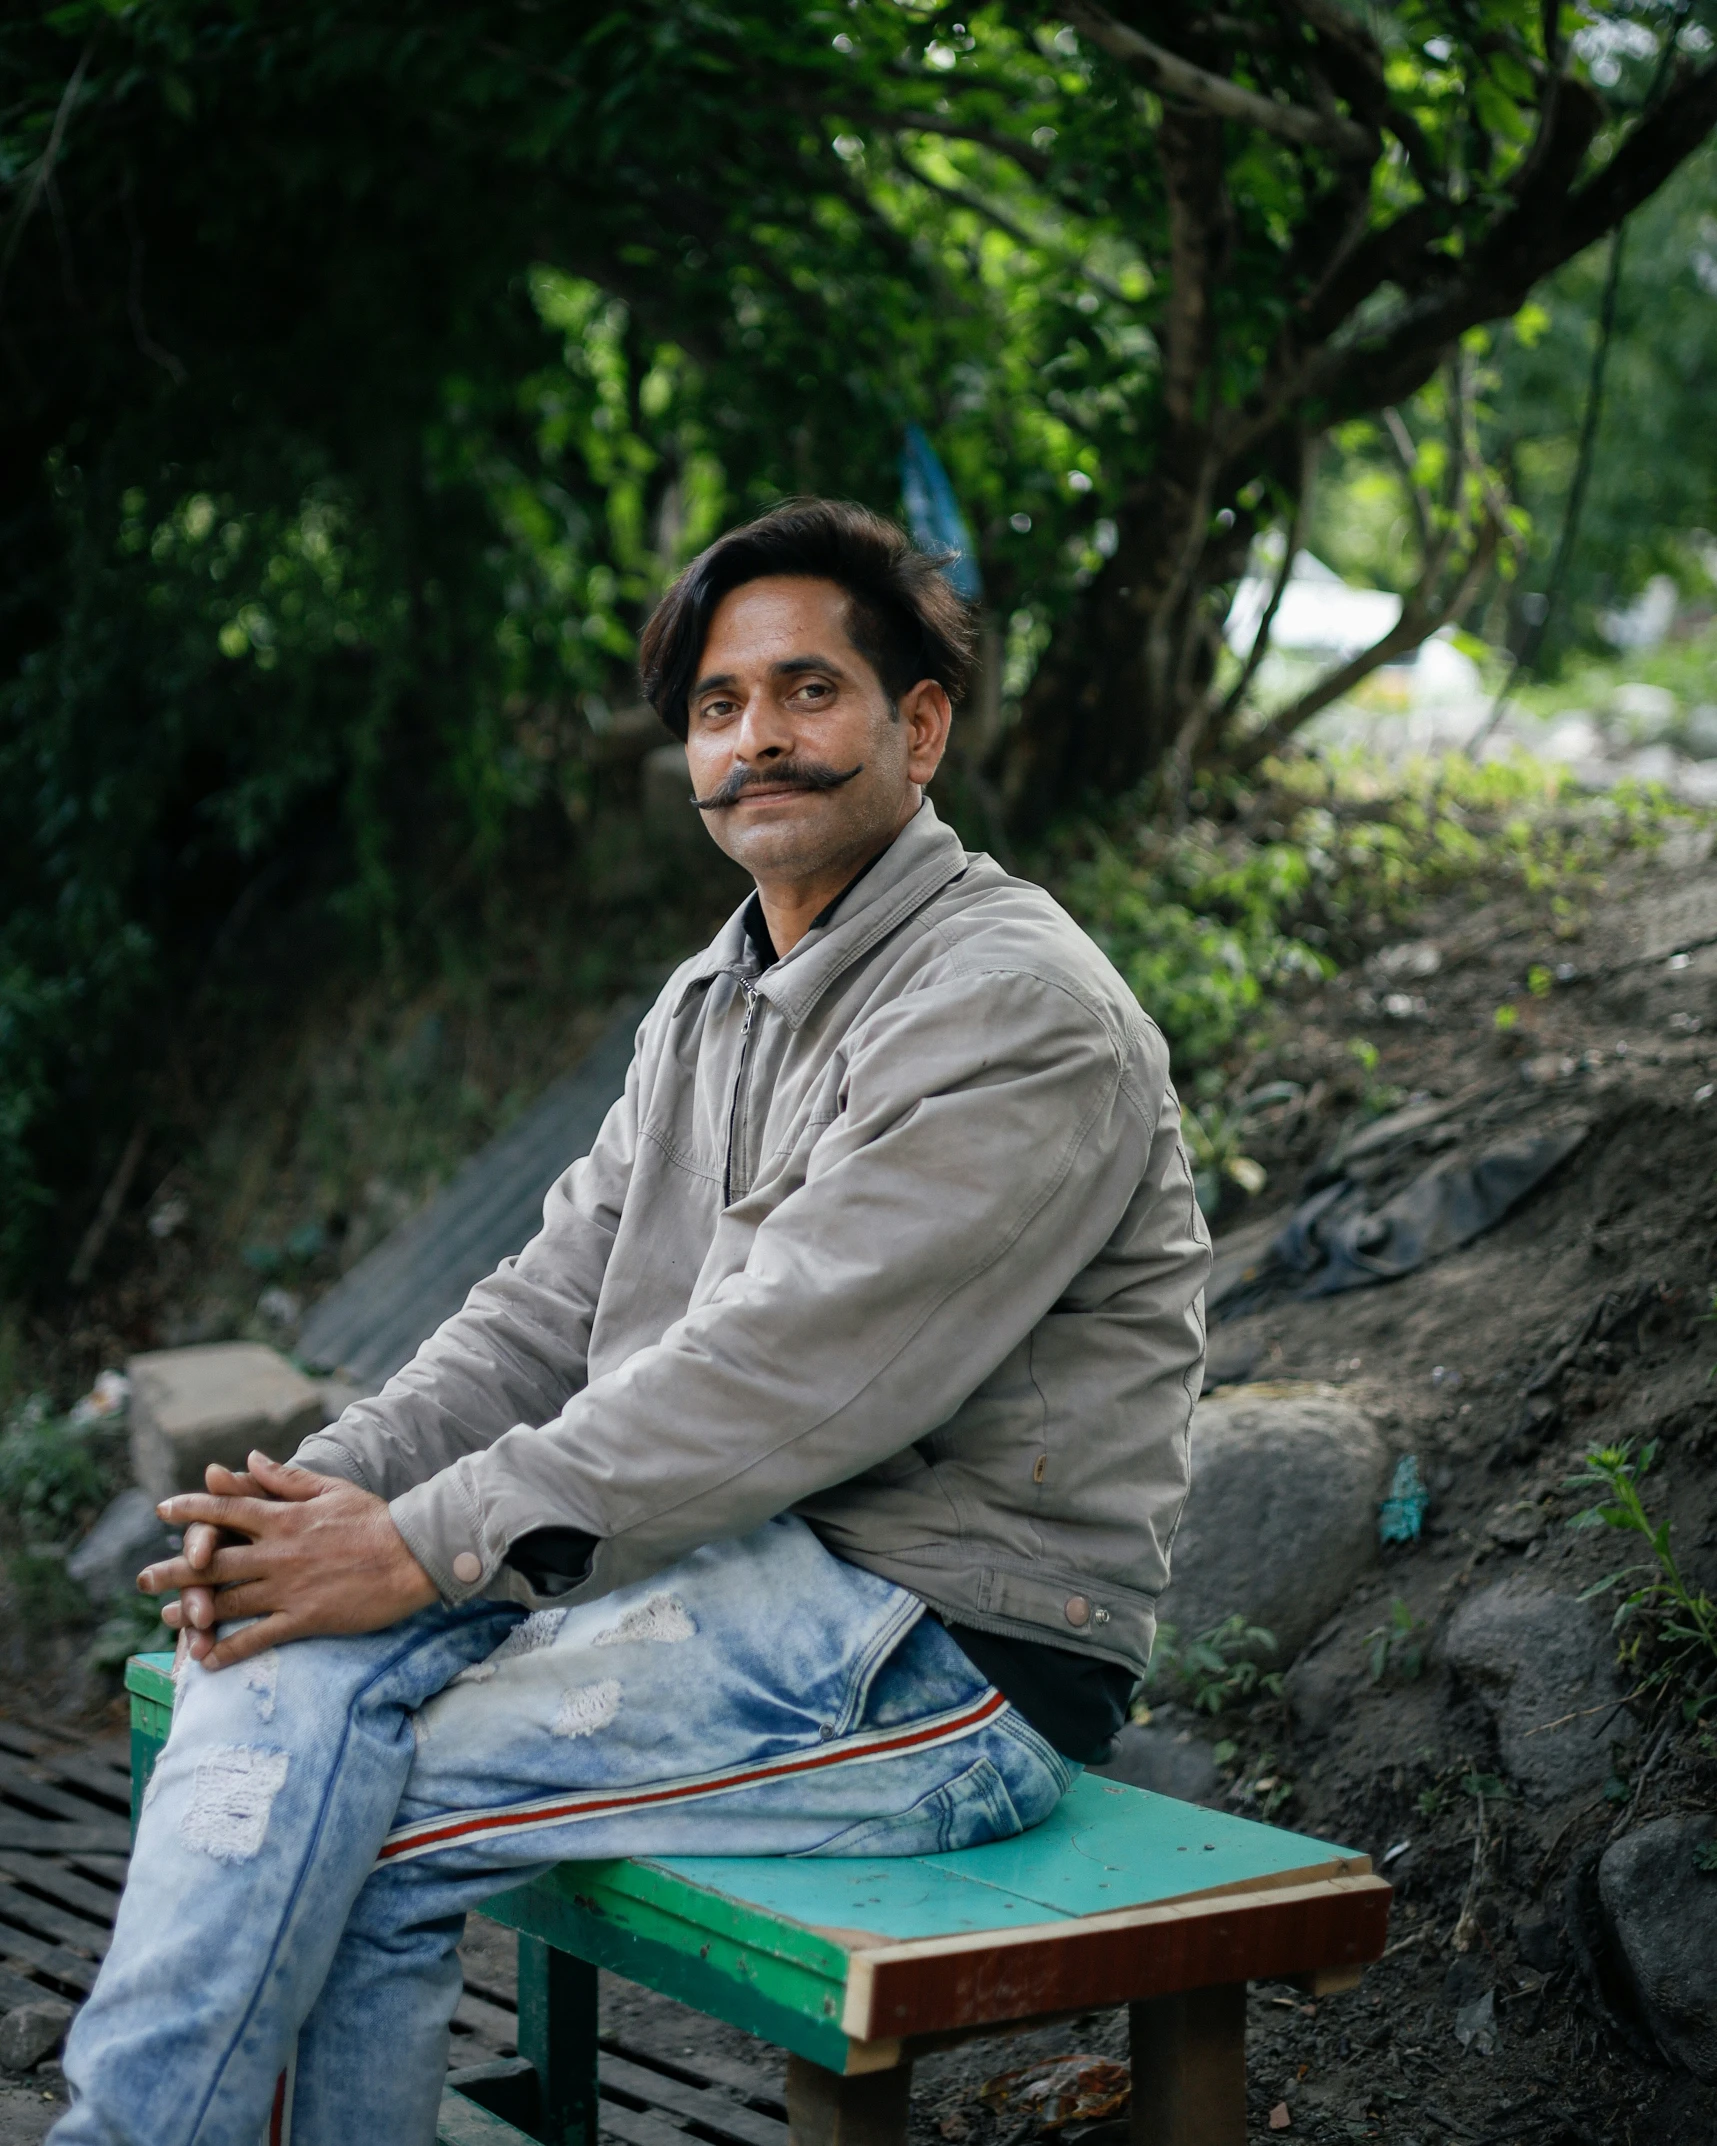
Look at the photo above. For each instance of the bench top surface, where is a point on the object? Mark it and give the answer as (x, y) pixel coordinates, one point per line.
(1105, 1846)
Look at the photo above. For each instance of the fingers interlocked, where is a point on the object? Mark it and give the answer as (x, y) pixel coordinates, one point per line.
(297, 1551)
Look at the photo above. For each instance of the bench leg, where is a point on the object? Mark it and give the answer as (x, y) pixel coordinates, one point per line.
(1189, 2068)
(826, 2109)
(557, 2035)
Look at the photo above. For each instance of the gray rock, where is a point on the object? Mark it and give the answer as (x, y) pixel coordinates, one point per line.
(1282, 1518)
(1164, 1759)
(214, 1403)
(1700, 735)
(127, 1537)
(1660, 1910)
(1545, 1666)
(30, 2032)
(1643, 713)
(1320, 1688)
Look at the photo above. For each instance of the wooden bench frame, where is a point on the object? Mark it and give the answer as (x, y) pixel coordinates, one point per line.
(853, 2007)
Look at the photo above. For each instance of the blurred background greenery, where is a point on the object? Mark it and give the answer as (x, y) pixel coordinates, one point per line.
(370, 371)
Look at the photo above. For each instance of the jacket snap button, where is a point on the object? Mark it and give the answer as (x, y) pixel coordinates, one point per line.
(1099, 1616)
(1078, 1610)
(467, 1566)
(825, 1734)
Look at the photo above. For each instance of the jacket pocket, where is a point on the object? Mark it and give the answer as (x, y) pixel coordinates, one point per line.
(972, 1808)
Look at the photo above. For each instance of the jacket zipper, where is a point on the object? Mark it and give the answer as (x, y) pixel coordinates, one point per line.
(739, 1082)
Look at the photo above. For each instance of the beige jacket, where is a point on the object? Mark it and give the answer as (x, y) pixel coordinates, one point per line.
(898, 1234)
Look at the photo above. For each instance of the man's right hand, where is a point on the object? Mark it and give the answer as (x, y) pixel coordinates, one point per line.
(201, 1541)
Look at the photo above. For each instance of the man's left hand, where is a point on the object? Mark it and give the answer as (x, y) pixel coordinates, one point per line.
(316, 1555)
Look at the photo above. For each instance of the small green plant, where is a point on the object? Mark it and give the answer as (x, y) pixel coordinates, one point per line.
(1676, 1623)
(1263, 1785)
(1705, 1858)
(1505, 1018)
(1539, 980)
(132, 1626)
(55, 1474)
(1309, 864)
(1396, 1648)
(45, 1597)
(1219, 1669)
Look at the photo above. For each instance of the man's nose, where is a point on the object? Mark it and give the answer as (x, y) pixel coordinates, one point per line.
(765, 731)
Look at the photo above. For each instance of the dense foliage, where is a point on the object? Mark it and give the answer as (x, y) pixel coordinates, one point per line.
(1314, 865)
(369, 369)
(1651, 502)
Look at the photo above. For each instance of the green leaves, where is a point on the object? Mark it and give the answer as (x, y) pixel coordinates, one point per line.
(1396, 1648)
(1675, 1648)
(374, 367)
(1217, 1670)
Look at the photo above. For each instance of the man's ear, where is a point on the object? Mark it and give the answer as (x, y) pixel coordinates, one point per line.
(927, 712)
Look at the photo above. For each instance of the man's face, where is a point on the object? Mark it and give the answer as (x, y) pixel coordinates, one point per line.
(796, 757)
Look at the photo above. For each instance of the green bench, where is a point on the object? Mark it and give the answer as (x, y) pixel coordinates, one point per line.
(856, 1967)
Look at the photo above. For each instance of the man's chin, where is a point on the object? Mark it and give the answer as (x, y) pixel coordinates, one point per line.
(790, 836)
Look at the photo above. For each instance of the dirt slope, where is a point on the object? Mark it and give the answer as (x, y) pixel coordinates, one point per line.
(1581, 1319)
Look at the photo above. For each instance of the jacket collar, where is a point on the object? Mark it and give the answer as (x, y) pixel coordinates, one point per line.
(922, 859)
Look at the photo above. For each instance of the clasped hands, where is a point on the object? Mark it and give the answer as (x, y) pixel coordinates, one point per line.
(300, 1552)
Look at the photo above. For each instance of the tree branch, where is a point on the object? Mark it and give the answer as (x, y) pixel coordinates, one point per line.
(1365, 86)
(1420, 618)
(1407, 454)
(915, 122)
(1521, 249)
(44, 171)
(963, 198)
(1215, 94)
(1261, 639)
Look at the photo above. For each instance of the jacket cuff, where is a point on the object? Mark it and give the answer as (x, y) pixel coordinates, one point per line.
(443, 1529)
(323, 1455)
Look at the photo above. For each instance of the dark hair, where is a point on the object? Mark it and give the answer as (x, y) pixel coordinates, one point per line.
(904, 618)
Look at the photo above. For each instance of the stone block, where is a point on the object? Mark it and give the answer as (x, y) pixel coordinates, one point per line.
(127, 1537)
(1544, 1665)
(1282, 1515)
(30, 2032)
(214, 1403)
(1661, 1908)
(1168, 1761)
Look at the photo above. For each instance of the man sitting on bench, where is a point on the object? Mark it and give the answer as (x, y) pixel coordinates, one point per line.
(804, 1488)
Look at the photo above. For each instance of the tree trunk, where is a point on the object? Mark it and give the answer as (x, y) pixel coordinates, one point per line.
(1119, 678)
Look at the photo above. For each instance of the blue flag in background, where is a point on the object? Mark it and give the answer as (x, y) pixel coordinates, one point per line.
(933, 513)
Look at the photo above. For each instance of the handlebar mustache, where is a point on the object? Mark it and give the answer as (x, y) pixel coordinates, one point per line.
(789, 775)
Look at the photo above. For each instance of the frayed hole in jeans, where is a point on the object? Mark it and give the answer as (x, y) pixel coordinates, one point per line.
(661, 1622)
(231, 1797)
(540, 1629)
(587, 1708)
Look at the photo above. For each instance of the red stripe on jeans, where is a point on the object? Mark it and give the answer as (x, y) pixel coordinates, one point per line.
(434, 1835)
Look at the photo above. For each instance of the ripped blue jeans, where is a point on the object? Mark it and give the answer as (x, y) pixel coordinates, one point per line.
(323, 1816)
